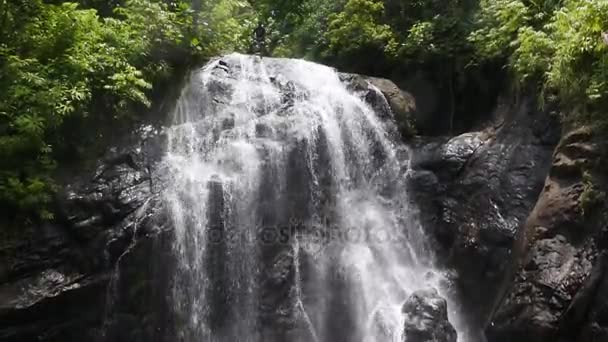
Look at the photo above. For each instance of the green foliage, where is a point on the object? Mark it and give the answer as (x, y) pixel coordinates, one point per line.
(94, 61)
(360, 35)
(307, 38)
(358, 28)
(64, 61)
(433, 31)
(579, 67)
(556, 45)
(498, 23)
(296, 28)
(420, 39)
(529, 59)
(591, 196)
(225, 26)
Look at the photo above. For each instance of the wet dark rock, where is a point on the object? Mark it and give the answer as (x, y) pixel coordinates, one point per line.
(426, 318)
(55, 277)
(476, 190)
(560, 280)
(277, 304)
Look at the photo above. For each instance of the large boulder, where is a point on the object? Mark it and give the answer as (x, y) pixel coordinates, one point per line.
(561, 280)
(475, 191)
(386, 98)
(402, 103)
(426, 318)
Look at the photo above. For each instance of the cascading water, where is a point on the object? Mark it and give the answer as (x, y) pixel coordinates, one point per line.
(288, 197)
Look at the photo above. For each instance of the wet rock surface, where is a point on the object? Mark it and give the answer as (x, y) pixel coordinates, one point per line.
(386, 98)
(476, 190)
(426, 318)
(55, 277)
(559, 287)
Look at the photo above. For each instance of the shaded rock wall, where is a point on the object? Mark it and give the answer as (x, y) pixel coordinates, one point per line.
(559, 289)
(55, 278)
(476, 190)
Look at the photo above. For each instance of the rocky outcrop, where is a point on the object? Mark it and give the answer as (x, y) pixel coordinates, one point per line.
(400, 103)
(426, 318)
(559, 289)
(54, 277)
(476, 190)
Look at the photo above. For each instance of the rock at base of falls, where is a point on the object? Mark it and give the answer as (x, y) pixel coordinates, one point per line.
(426, 318)
(559, 291)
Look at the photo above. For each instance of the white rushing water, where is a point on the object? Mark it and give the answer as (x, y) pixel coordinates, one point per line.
(289, 200)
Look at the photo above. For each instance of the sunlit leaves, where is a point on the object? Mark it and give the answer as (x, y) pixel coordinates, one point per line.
(420, 39)
(580, 65)
(359, 26)
(556, 43)
(226, 27)
(129, 84)
(61, 62)
(498, 23)
(531, 54)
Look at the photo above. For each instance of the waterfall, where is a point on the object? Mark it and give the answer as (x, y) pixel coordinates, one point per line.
(289, 200)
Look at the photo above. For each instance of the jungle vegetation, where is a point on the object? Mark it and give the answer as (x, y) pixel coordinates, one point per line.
(69, 69)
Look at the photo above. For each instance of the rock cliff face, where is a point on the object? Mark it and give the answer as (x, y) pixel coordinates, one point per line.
(57, 279)
(520, 213)
(475, 192)
(560, 285)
